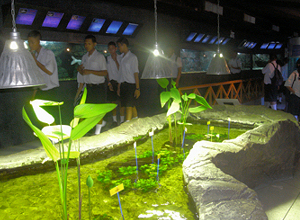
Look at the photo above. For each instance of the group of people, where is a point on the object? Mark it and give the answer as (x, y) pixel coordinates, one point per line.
(121, 72)
(290, 86)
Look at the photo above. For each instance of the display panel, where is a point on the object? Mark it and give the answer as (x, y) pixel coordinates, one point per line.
(26, 16)
(271, 46)
(278, 46)
(206, 39)
(264, 46)
(52, 19)
(253, 45)
(225, 41)
(114, 27)
(130, 29)
(75, 22)
(199, 37)
(220, 40)
(213, 40)
(191, 36)
(96, 25)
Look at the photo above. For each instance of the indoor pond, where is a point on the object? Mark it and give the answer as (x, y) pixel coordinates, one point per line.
(145, 195)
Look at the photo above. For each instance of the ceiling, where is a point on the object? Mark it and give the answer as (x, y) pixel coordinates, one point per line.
(282, 13)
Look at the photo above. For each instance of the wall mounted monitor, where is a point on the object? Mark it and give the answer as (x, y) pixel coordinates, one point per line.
(271, 46)
(96, 25)
(130, 29)
(75, 22)
(26, 16)
(225, 41)
(247, 44)
(220, 40)
(206, 39)
(191, 36)
(264, 46)
(278, 46)
(253, 45)
(52, 19)
(213, 40)
(114, 27)
(199, 37)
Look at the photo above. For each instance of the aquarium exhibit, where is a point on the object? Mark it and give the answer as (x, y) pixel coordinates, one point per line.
(193, 141)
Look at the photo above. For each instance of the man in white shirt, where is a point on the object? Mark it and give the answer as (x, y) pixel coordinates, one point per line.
(129, 85)
(45, 60)
(92, 72)
(270, 90)
(235, 65)
(113, 64)
(175, 64)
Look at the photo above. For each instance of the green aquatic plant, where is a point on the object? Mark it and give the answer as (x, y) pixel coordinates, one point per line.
(126, 171)
(103, 217)
(90, 114)
(104, 177)
(145, 184)
(90, 183)
(126, 183)
(145, 154)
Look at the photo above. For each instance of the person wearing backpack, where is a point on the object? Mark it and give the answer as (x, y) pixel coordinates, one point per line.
(293, 85)
(271, 89)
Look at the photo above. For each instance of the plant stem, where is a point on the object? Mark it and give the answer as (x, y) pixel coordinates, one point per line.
(79, 187)
(62, 197)
(90, 203)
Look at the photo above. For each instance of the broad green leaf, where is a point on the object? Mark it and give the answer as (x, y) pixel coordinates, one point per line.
(164, 97)
(41, 102)
(83, 98)
(192, 96)
(202, 101)
(92, 110)
(175, 94)
(185, 97)
(89, 181)
(173, 108)
(51, 151)
(55, 132)
(173, 83)
(163, 82)
(73, 154)
(197, 109)
(83, 127)
(74, 122)
(43, 115)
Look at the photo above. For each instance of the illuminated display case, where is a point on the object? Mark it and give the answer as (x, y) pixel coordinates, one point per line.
(75, 22)
(52, 19)
(114, 27)
(26, 16)
(195, 61)
(96, 25)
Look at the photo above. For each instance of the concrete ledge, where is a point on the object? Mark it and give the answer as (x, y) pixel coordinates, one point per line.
(218, 175)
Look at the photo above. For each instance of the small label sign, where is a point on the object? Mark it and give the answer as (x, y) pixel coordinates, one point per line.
(117, 189)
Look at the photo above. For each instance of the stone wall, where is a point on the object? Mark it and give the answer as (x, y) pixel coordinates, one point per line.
(219, 176)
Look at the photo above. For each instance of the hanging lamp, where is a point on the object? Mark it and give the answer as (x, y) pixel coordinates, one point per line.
(157, 65)
(17, 66)
(218, 64)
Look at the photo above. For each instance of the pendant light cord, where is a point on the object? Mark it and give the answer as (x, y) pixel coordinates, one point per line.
(14, 27)
(155, 18)
(218, 26)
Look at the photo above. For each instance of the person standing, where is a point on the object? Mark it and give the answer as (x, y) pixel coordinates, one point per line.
(175, 64)
(45, 60)
(235, 65)
(293, 85)
(270, 90)
(129, 85)
(113, 64)
(91, 73)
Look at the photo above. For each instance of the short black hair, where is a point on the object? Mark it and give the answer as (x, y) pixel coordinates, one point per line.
(92, 37)
(111, 44)
(273, 56)
(35, 34)
(123, 40)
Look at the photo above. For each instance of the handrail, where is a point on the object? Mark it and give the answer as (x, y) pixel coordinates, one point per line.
(243, 90)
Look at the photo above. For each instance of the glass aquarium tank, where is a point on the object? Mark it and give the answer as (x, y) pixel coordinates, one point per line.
(260, 61)
(245, 60)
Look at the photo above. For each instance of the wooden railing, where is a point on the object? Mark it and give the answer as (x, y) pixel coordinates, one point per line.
(243, 90)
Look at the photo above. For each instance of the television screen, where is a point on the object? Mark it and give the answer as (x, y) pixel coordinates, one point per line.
(225, 41)
(253, 45)
(278, 46)
(264, 46)
(52, 19)
(26, 16)
(114, 27)
(206, 39)
(247, 44)
(130, 29)
(199, 37)
(220, 40)
(191, 36)
(96, 25)
(213, 40)
(75, 22)
(271, 46)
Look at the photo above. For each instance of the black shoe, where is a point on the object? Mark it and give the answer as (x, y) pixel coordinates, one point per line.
(114, 124)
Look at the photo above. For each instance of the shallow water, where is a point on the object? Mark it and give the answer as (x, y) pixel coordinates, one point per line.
(37, 196)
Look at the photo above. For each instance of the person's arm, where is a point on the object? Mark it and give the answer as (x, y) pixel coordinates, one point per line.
(289, 82)
(98, 73)
(137, 91)
(41, 66)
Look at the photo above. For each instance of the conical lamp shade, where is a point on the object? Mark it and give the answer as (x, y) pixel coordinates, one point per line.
(218, 66)
(17, 66)
(157, 67)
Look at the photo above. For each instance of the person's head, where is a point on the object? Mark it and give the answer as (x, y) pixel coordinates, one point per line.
(34, 38)
(298, 64)
(112, 47)
(123, 44)
(233, 54)
(169, 50)
(273, 56)
(90, 43)
(285, 60)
